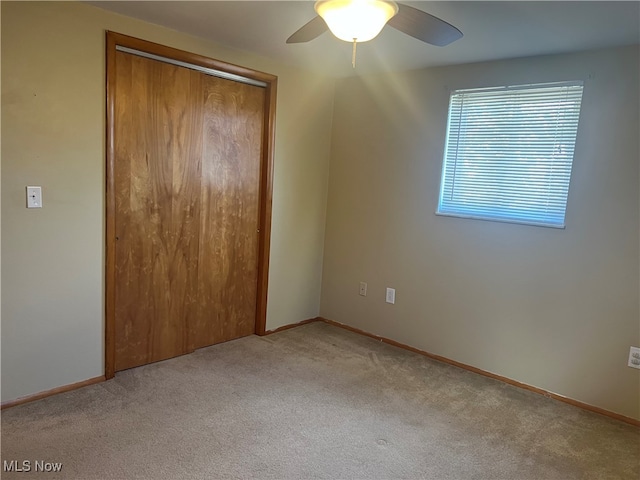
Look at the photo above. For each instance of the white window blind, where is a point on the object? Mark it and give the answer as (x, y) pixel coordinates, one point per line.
(509, 152)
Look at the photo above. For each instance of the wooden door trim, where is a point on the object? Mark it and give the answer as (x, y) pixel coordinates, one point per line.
(266, 176)
(266, 197)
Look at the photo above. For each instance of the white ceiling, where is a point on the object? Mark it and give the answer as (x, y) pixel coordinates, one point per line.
(492, 30)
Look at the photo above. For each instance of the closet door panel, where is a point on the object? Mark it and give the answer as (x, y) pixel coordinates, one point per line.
(228, 256)
(157, 181)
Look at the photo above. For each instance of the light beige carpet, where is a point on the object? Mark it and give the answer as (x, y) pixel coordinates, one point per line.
(313, 402)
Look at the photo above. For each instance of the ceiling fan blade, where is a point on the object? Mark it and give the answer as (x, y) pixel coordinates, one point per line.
(309, 31)
(423, 26)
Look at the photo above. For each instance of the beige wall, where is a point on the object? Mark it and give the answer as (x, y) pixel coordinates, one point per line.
(53, 95)
(557, 309)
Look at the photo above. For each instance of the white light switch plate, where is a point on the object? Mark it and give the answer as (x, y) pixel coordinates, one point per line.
(34, 197)
(634, 357)
(391, 295)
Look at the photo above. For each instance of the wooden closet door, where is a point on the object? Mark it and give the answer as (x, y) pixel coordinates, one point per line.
(229, 211)
(186, 178)
(157, 176)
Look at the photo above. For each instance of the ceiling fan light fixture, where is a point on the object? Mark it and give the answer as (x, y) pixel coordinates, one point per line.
(356, 20)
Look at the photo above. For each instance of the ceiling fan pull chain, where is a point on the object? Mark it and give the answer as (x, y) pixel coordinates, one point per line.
(353, 55)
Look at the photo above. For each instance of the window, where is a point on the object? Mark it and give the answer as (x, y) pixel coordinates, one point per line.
(509, 152)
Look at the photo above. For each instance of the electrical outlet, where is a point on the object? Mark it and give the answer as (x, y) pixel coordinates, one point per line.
(34, 197)
(363, 289)
(634, 357)
(391, 295)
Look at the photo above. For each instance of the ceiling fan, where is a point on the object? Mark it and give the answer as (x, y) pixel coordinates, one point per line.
(361, 20)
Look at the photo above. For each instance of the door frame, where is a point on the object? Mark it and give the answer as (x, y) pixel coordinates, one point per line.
(114, 40)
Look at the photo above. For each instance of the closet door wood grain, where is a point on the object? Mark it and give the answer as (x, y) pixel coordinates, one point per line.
(229, 216)
(158, 150)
